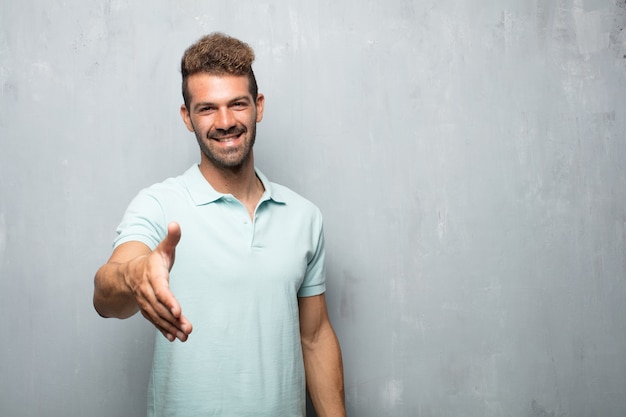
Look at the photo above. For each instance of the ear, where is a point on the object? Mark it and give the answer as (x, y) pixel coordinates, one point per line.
(260, 103)
(184, 113)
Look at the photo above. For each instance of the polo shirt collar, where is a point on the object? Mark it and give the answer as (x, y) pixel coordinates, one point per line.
(202, 192)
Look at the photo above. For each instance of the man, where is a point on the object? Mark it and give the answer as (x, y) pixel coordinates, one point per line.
(238, 256)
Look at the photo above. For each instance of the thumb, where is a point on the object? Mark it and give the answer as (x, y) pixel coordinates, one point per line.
(168, 245)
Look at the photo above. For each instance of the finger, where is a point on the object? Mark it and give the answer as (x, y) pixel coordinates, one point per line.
(168, 245)
(157, 312)
(181, 329)
(185, 325)
(169, 330)
(180, 335)
(164, 296)
(169, 336)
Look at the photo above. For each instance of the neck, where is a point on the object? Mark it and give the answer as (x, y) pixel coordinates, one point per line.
(240, 181)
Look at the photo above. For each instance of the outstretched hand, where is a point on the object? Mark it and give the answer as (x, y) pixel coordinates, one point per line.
(149, 282)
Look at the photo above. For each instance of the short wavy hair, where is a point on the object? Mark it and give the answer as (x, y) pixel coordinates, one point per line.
(218, 54)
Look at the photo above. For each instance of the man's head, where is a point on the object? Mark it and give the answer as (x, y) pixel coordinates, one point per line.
(222, 105)
(218, 54)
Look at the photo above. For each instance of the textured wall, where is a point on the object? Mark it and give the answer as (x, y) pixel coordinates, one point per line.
(468, 158)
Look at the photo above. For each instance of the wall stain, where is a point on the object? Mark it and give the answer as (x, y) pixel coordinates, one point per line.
(539, 411)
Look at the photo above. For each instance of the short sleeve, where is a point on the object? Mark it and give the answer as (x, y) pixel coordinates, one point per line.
(143, 221)
(315, 279)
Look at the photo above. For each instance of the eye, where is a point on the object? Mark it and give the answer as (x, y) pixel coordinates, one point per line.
(239, 104)
(205, 109)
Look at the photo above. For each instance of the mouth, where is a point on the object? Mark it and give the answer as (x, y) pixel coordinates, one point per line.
(225, 139)
(228, 137)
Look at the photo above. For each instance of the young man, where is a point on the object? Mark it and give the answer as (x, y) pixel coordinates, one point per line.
(238, 256)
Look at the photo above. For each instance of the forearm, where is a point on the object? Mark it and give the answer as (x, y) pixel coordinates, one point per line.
(324, 373)
(111, 296)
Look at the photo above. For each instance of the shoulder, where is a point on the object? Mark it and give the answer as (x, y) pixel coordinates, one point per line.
(153, 203)
(296, 212)
(169, 188)
(289, 196)
(293, 201)
(147, 215)
(285, 195)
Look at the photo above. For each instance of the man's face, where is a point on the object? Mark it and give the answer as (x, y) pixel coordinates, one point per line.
(223, 116)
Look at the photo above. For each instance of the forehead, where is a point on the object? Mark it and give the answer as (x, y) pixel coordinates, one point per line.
(204, 87)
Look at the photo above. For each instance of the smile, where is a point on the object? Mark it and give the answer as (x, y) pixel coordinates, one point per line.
(228, 137)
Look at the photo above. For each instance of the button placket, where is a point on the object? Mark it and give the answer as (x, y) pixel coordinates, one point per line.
(239, 214)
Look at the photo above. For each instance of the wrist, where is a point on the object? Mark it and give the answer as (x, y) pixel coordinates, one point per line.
(129, 271)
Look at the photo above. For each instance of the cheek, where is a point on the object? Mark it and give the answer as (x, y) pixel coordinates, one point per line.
(254, 118)
(200, 126)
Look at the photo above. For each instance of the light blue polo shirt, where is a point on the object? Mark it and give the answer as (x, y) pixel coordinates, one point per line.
(237, 281)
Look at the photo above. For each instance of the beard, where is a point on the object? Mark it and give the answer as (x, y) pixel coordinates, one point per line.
(228, 158)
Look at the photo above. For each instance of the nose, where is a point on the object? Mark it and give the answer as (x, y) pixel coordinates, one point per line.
(225, 119)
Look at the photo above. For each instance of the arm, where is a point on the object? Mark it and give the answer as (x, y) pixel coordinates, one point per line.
(322, 357)
(137, 279)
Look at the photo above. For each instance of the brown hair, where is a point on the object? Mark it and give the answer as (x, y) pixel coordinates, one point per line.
(218, 54)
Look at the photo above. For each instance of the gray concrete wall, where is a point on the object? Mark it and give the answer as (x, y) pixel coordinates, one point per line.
(468, 157)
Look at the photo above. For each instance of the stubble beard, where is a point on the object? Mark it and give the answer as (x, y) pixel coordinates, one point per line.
(232, 158)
